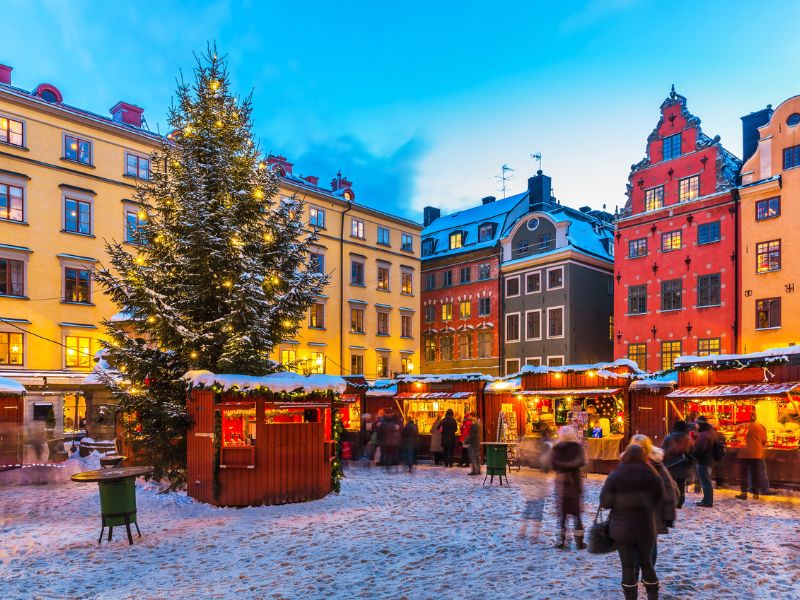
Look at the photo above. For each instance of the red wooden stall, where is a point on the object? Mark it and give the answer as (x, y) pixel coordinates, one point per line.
(11, 425)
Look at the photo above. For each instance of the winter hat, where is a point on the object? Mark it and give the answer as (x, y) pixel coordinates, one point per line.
(644, 442)
(657, 454)
(680, 425)
(567, 434)
(702, 419)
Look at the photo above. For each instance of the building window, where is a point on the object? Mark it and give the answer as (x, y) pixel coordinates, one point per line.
(669, 352)
(464, 309)
(427, 247)
(430, 348)
(533, 283)
(356, 364)
(533, 361)
(77, 216)
(512, 366)
(466, 274)
(512, 328)
(447, 311)
(637, 248)
(383, 278)
(791, 157)
(708, 290)
(484, 306)
(672, 146)
(430, 281)
(555, 322)
(430, 313)
(406, 282)
(382, 365)
(456, 240)
(356, 319)
(689, 188)
(12, 277)
(555, 278)
(383, 323)
(637, 299)
(316, 317)
(356, 272)
(465, 346)
(708, 346)
(768, 208)
(485, 344)
(671, 241)
(406, 326)
(545, 242)
(288, 357)
(134, 220)
(406, 242)
(78, 352)
(77, 150)
(555, 361)
(316, 217)
(533, 325)
(11, 131)
(11, 202)
(521, 248)
(383, 236)
(611, 328)
(638, 354)
(768, 313)
(768, 256)
(654, 198)
(11, 349)
(137, 166)
(512, 287)
(317, 361)
(671, 293)
(484, 271)
(708, 233)
(485, 232)
(447, 278)
(317, 263)
(357, 228)
(446, 347)
(77, 286)
(405, 365)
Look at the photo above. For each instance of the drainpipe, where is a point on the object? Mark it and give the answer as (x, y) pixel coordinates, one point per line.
(501, 321)
(737, 285)
(341, 288)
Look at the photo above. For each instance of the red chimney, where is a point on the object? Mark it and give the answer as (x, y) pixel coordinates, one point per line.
(279, 165)
(5, 74)
(313, 180)
(122, 112)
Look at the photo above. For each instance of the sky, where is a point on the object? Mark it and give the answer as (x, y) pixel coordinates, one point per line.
(421, 103)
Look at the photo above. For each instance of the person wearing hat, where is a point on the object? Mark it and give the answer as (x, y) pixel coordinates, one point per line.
(567, 458)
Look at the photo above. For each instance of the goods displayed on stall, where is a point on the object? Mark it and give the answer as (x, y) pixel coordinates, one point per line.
(507, 432)
(426, 407)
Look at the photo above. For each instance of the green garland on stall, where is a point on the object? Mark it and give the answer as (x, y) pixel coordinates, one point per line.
(217, 451)
(336, 464)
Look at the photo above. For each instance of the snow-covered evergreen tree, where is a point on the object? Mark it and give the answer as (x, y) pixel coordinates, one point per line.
(219, 276)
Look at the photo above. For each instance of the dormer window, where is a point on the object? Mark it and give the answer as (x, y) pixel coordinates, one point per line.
(48, 93)
(485, 232)
(428, 247)
(456, 240)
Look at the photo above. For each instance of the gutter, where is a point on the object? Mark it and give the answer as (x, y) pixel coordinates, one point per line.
(341, 289)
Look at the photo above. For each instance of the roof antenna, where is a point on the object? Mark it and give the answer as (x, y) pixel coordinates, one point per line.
(503, 177)
(537, 157)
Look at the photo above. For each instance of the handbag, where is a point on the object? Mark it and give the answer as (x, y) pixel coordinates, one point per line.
(600, 541)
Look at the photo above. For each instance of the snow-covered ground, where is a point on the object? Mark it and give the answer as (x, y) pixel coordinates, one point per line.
(434, 534)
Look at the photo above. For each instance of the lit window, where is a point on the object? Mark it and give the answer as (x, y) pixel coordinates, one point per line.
(137, 166)
(77, 285)
(78, 352)
(406, 282)
(708, 346)
(317, 316)
(768, 256)
(383, 323)
(316, 217)
(383, 236)
(357, 228)
(383, 278)
(456, 240)
(77, 150)
(405, 364)
(11, 131)
(768, 313)
(669, 352)
(689, 188)
(464, 309)
(11, 349)
(356, 364)
(447, 311)
(430, 348)
(406, 326)
(12, 277)
(672, 146)
(11, 204)
(357, 320)
(77, 216)
(288, 357)
(637, 248)
(638, 354)
(768, 208)
(382, 365)
(670, 241)
(317, 363)
(654, 198)
(406, 242)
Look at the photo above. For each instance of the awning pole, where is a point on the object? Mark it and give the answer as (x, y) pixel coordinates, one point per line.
(677, 411)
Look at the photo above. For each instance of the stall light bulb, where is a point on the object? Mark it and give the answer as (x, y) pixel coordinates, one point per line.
(151, 319)
(258, 194)
(227, 283)
(193, 354)
(417, 384)
(590, 373)
(558, 375)
(140, 260)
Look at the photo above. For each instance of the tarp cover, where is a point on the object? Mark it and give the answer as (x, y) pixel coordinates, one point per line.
(734, 391)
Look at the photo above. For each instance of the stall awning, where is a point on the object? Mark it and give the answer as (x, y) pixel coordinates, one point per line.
(349, 398)
(750, 390)
(571, 392)
(434, 395)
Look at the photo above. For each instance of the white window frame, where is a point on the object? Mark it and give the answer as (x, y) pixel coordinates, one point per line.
(533, 361)
(560, 287)
(527, 312)
(561, 356)
(527, 291)
(514, 370)
(519, 287)
(563, 322)
(320, 211)
(505, 327)
(20, 182)
(357, 229)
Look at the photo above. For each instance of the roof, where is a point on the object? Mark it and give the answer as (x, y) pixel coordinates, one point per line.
(773, 355)
(557, 393)
(441, 378)
(276, 382)
(9, 386)
(663, 381)
(752, 390)
(601, 368)
(434, 395)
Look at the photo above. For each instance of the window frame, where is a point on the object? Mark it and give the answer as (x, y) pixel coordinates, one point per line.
(381, 364)
(384, 232)
(406, 281)
(455, 240)
(631, 355)
(22, 261)
(129, 235)
(139, 158)
(563, 278)
(484, 268)
(89, 291)
(506, 328)
(767, 250)
(383, 323)
(715, 226)
(484, 300)
(510, 361)
(630, 298)
(447, 347)
(669, 142)
(462, 313)
(468, 271)
(81, 356)
(773, 301)
(671, 353)
(356, 364)
(668, 241)
(447, 278)
(5, 361)
(506, 283)
(9, 183)
(79, 200)
(537, 311)
(710, 288)
(689, 181)
(362, 270)
(357, 319)
(357, 228)
(791, 155)
(78, 140)
(708, 342)
(430, 281)
(384, 275)
(430, 313)
(407, 326)
(406, 242)
(23, 126)
(482, 229)
(447, 311)
(656, 201)
(768, 216)
(670, 294)
(316, 315)
(481, 337)
(317, 219)
(635, 244)
(465, 335)
(559, 357)
(429, 348)
(537, 276)
(554, 309)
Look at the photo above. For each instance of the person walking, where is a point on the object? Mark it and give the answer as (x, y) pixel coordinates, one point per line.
(474, 447)
(410, 439)
(466, 425)
(436, 441)
(704, 455)
(678, 459)
(632, 491)
(448, 427)
(751, 456)
(567, 458)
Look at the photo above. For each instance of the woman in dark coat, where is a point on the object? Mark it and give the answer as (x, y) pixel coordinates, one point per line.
(632, 492)
(567, 457)
(410, 437)
(449, 427)
(678, 459)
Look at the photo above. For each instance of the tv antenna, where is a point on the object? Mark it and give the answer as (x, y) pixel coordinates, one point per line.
(504, 176)
(538, 158)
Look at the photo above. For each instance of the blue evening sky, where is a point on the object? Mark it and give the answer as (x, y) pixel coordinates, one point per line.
(420, 103)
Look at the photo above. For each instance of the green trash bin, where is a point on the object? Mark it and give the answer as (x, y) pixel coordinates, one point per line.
(496, 462)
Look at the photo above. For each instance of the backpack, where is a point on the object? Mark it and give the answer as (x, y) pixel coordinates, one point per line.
(719, 449)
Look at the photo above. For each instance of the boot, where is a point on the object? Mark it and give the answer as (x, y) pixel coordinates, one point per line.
(579, 539)
(631, 591)
(651, 589)
(742, 496)
(562, 543)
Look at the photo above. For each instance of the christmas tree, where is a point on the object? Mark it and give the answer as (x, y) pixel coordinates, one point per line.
(220, 274)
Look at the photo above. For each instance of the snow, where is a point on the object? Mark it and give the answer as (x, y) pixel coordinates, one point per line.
(383, 387)
(602, 369)
(505, 385)
(444, 377)
(663, 381)
(276, 382)
(9, 386)
(771, 355)
(458, 539)
(121, 317)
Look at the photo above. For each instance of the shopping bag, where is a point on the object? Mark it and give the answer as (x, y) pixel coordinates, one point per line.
(600, 541)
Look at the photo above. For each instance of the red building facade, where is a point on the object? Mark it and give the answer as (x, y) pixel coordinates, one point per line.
(675, 257)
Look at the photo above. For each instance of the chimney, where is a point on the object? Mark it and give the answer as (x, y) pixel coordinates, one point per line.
(488, 200)
(539, 192)
(310, 179)
(340, 183)
(430, 214)
(5, 74)
(279, 165)
(122, 112)
(750, 125)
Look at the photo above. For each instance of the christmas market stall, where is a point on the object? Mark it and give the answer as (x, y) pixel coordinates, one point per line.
(11, 420)
(729, 388)
(263, 440)
(351, 407)
(648, 405)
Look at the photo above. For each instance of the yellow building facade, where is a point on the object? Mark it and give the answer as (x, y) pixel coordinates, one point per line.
(769, 244)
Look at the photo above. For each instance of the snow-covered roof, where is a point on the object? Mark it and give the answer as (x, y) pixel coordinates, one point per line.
(121, 317)
(751, 390)
(601, 368)
(662, 381)
(383, 387)
(505, 385)
(773, 355)
(444, 377)
(276, 382)
(101, 368)
(9, 386)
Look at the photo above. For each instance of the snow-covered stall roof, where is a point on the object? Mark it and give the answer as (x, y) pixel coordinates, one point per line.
(445, 377)
(505, 385)
(773, 355)
(751, 390)
(10, 387)
(663, 381)
(276, 382)
(601, 369)
(383, 387)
